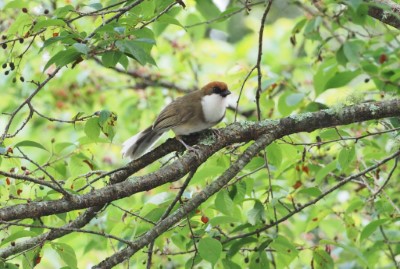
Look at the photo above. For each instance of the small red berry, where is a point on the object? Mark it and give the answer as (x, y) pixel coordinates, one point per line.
(204, 219)
(383, 58)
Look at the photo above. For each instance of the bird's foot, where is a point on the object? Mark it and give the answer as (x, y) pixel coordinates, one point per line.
(216, 132)
(194, 149)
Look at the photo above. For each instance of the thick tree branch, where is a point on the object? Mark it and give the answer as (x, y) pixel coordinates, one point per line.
(234, 133)
(186, 208)
(79, 222)
(386, 11)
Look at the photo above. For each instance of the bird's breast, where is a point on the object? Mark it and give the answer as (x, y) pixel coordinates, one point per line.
(214, 107)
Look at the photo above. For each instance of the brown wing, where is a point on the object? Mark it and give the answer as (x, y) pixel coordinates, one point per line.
(178, 112)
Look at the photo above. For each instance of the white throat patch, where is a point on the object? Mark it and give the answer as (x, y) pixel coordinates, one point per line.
(214, 107)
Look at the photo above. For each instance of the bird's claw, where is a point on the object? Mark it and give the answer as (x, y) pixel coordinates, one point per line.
(195, 149)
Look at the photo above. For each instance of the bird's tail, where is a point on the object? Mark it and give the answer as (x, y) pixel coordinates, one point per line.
(138, 144)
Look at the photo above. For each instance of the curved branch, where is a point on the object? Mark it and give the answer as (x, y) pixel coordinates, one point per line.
(79, 222)
(186, 208)
(385, 11)
(234, 133)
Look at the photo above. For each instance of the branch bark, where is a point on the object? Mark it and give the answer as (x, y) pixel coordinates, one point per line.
(385, 11)
(234, 133)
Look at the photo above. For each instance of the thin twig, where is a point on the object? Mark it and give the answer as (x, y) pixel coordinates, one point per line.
(241, 90)
(387, 179)
(314, 201)
(391, 252)
(159, 14)
(59, 187)
(168, 211)
(260, 51)
(27, 100)
(66, 229)
(100, 12)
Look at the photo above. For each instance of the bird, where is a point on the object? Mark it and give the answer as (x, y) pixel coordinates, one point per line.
(194, 112)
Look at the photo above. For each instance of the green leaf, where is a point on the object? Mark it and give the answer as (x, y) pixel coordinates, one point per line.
(264, 245)
(218, 220)
(312, 191)
(19, 24)
(63, 58)
(311, 30)
(370, 228)
(207, 9)
(355, 205)
(286, 108)
(63, 11)
(59, 147)
(134, 50)
(15, 4)
(228, 264)
(299, 25)
(259, 260)
(92, 128)
(9, 265)
(16, 235)
(48, 23)
(96, 6)
(104, 116)
(167, 19)
(354, 4)
(346, 156)
(314, 220)
(274, 154)
(111, 58)
(325, 72)
(294, 98)
(210, 249)
(236, 246)
(29, 143)
(352, 50)
(341, 57)
(64, 38)
(351, 229)
(30, 257)
(82, 48)
(196, 33)
(227, 13)
(66, 253)
(359, 12)
(239, 192)
(124, 61)
(256, 214)
(341, 79)
(224, 203)
(193, 261)
(322, 260)
(285, 248)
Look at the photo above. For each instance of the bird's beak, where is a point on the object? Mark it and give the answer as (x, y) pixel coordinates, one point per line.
(225, 93)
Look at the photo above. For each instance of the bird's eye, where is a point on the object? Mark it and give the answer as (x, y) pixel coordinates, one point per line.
(216, 90)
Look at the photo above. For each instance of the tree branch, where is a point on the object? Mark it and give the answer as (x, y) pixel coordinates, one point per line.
(234, 133)
(385, 11)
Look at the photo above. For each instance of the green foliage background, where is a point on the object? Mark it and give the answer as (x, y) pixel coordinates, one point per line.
(119, 75)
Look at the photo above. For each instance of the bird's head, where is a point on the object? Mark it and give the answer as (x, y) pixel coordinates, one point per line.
(216, 87)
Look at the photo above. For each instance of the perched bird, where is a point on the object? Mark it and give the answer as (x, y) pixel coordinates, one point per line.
(191, 113)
